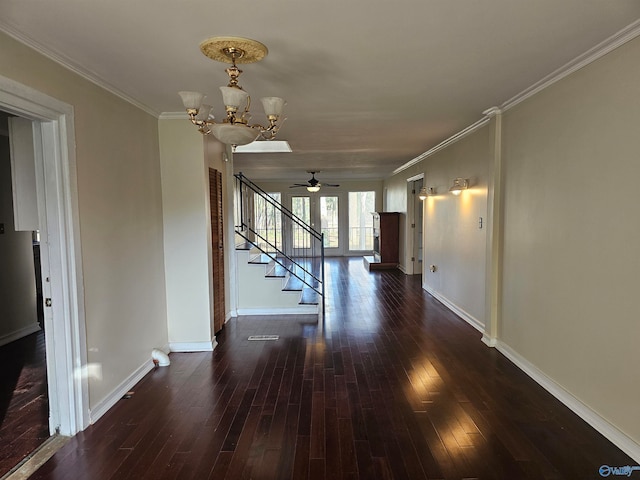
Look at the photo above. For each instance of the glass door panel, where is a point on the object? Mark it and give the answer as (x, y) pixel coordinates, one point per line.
(301, 208)
(268, 222)
(329, 224)
(361, 207)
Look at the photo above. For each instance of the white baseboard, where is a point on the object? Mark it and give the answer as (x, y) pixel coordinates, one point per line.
(110, 400)
(301, 310)
(193, 346)
(467, 317)
(18, 334)
(610, 431)
(489, 341)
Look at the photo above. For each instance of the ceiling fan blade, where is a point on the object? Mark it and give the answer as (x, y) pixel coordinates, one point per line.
(298, 185)
(330, 185)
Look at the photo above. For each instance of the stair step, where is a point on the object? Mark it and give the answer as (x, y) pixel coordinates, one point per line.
(309, 297)
(276, 270)
(293, 284)
(244, 246)
(261, 259)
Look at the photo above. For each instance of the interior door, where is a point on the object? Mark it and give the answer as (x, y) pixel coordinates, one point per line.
(217, 248)
(417, 231)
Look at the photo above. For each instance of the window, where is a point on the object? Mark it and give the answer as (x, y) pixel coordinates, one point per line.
(300, 206)
(361, 206)
(268, 222)
(329, 221)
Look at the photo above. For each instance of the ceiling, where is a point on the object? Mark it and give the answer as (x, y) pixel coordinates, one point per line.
(369, 84)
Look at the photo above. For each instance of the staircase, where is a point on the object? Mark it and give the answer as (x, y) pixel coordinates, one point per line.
(280, 257)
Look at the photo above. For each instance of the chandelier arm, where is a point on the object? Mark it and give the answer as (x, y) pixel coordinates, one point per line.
(200, 123)
(232, 50)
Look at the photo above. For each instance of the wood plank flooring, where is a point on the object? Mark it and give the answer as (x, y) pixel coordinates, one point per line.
(392, 386)
(24, 408)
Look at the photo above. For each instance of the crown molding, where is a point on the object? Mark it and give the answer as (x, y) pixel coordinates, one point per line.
(442, 145)
(77, 69)
(173, 116)
(616, 40)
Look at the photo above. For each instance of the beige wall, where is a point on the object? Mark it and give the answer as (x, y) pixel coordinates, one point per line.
(17, 281)
(452, 239)
(120, 214)
(185, 190)
(572, 231)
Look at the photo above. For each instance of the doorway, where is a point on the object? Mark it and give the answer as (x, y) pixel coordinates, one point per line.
(415, 224)
(60, 251)
(24, 406)
(323, 212)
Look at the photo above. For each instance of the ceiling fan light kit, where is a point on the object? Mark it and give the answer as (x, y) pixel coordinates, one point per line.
(234, 129)
(313, 184)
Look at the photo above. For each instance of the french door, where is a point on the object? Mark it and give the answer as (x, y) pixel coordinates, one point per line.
(321, 211)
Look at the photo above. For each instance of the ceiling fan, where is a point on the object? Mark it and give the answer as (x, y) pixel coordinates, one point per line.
(313, 185)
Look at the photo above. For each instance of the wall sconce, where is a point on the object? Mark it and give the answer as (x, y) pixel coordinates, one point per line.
(459, 184)
(426, 192)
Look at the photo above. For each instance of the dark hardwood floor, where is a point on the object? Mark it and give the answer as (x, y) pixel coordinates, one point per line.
(24, 408)
(392, 386)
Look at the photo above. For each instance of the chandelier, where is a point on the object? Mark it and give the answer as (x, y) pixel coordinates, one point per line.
(235, 128)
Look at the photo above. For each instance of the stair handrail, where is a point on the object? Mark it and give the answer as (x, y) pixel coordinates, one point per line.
(284, 265)
(308, 228)
(318, 236)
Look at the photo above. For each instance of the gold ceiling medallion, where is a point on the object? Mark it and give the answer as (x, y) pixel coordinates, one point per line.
(224, 49)
(234, 129)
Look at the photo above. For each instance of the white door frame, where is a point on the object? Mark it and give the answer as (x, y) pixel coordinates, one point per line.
(56, 184)
(411, 268)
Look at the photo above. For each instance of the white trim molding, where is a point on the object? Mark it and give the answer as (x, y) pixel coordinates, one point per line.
(444, 144)
(61, 251)
(489, 341)
(415, 178)
(616, 40)
(610, 431)
(20, 333)
(301, 310)
(193, 346)
(117, 393)
(466, 316)
(173, 116)
(67, 63)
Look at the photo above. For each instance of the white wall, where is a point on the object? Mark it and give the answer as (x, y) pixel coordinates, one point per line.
(571, 235)
(120, 217)
(17, 282)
